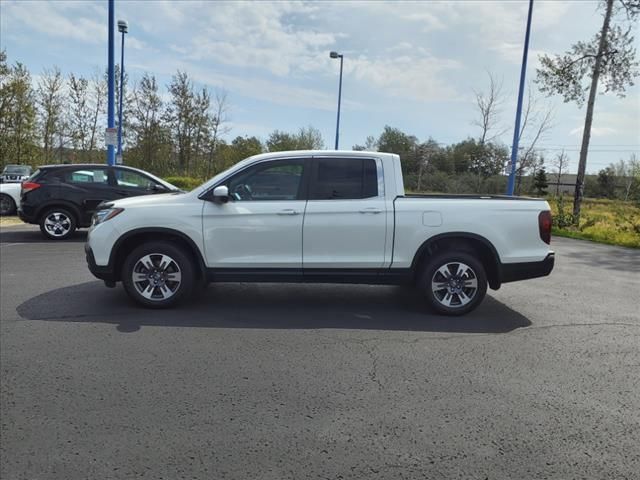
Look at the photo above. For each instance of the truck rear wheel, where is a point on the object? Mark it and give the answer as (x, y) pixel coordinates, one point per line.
(158, 275)
(454, 282)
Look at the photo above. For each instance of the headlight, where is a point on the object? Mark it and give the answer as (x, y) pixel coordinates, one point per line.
(102, 216)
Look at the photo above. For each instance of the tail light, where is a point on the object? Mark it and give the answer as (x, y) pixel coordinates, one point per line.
(29, 186)
(544, 225)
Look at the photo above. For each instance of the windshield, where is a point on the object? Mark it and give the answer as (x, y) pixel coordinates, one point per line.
(164, 183)
(17, 170)
(224, 173)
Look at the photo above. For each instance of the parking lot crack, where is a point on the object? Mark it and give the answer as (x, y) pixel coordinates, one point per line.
(373, 373)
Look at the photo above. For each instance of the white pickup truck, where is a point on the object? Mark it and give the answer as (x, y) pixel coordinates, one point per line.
(319, 216)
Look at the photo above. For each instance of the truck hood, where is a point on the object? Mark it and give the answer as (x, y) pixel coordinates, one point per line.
(147, 200)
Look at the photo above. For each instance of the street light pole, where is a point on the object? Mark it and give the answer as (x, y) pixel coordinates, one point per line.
(123, 28)
(341, 57)
(516, 130)
(111, 81)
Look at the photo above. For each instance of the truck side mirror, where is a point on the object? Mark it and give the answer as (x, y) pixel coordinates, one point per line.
(221, 194)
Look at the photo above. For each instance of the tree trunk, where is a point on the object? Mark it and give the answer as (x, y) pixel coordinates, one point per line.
(586, 134)
(47, 143)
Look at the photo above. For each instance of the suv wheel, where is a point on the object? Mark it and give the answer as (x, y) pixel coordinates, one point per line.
(158, 275)
(454, 282)
(57, 224)
(7, 205)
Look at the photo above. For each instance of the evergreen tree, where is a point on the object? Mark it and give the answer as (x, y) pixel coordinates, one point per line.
(540, 182)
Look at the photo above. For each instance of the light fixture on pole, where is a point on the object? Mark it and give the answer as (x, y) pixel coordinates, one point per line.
(123, 28)
(341, 57)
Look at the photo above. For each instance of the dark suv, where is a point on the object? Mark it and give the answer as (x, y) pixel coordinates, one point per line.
(62, 198)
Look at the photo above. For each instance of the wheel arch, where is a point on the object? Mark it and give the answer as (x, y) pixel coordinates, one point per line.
(132, 239)
(60, 204)
(476, 244)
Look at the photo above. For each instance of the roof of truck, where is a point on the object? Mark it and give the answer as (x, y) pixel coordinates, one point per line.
(321, 153)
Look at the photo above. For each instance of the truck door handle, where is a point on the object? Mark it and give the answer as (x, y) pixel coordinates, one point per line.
(288, 211)
(371, 210)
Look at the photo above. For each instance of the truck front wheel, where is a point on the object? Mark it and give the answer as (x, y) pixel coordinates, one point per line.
(158, 275)
(454, 282)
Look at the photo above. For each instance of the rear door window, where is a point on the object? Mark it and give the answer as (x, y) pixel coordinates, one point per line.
(344, 179)
(97, 176)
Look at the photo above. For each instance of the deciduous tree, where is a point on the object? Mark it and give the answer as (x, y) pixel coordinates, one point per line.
(608, 62)
(561, 163)
(50, 100)
(489, 107)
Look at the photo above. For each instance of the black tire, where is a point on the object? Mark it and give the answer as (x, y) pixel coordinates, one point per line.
(58, 223)
(7, 205)
(456, 289)
(168, 291)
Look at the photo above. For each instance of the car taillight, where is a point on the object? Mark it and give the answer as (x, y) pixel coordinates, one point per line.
(28, 186)
(544, 224)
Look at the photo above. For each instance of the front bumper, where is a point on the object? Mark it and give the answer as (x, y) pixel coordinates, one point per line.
(105, 273)
(512, 272)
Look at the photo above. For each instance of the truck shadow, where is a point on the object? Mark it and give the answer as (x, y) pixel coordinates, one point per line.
(272, 306)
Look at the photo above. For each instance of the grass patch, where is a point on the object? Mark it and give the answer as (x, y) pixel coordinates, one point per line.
(613, 222)
(7, 221)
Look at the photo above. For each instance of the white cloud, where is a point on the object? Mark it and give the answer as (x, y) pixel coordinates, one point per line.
(54, 19)
(258, 34)
(499, 26)
(595, 131)
(276, 92)
(614, 117)
(412, 77)
(264, 36)
(136, 44)
(426, 14)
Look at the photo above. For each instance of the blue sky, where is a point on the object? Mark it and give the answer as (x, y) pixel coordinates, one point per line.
(411, 65)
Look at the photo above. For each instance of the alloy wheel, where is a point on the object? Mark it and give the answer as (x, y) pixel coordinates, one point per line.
(156, 276)
(454, 284)
(57, 224)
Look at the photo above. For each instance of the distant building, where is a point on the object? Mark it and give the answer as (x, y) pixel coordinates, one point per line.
(565, 184)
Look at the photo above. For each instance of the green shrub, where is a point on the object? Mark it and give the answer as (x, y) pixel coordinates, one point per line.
(561, 218)
(185, 183)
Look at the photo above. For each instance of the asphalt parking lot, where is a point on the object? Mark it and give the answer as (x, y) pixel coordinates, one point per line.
(257, 381)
